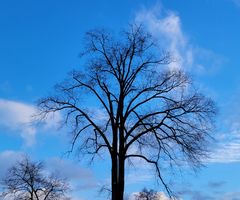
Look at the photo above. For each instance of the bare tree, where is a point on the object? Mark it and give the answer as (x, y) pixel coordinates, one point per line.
(146, 194)
(26, 181)
(127, 102)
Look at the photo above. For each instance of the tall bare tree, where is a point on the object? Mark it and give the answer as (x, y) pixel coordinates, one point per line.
(26, 181)
(127, 102)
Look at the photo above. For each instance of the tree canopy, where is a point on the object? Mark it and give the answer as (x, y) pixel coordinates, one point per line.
(127, 101)
(26, 181)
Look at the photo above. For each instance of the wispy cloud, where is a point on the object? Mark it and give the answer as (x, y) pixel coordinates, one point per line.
(208, 195)
(81, 179)
(139, 176)
(236, 2)
(17, 117)
(228, 147)
(196, 195)
(231, 195)
(69, 169)
(166, 26)
(7, 159)
(216, 184)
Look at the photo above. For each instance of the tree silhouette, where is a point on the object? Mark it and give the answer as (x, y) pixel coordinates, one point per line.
(146, 194)
(127, 102)
(26, 181)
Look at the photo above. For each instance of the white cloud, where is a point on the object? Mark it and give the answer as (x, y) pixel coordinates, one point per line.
(231, 195)
(166, 27)
(139, 176)
(81, 178)
(7, 159)
(69, 169)
(236, 2)
(210, 195)
(17, 117)
(99, 115)
(228, 148)
(228, 140)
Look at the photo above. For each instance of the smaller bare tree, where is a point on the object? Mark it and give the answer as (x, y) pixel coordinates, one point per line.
(26, 181)
(146, 194)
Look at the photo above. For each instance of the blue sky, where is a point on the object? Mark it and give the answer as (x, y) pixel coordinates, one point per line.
(40, 42)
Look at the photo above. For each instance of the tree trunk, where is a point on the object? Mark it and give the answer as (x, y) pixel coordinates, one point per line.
(118, 181)
(117, 154)
(115, 163)
(121, 161)
(115, 178)
(121, 177)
